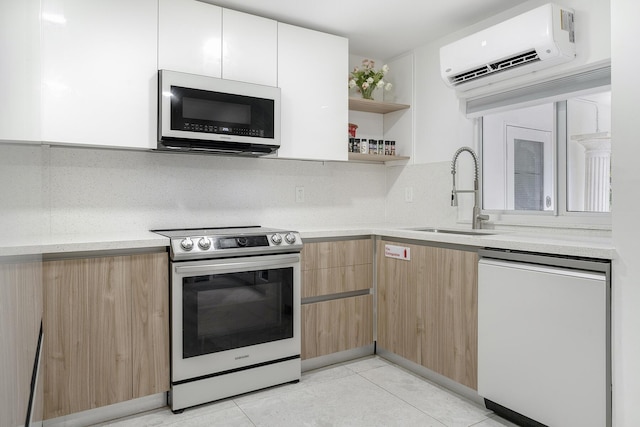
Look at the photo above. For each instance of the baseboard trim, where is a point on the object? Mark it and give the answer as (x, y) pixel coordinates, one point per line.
(464, 391)
(110, 412)
(339, 357)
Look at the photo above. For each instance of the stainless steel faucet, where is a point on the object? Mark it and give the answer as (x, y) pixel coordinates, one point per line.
(477, 217)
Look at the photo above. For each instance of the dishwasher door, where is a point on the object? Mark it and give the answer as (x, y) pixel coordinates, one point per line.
(543, 347)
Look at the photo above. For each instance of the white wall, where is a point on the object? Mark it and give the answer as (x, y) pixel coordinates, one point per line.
(625, 34)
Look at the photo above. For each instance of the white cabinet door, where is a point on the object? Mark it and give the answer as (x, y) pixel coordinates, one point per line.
(189, 37)
(312, 73)
(20, 70)
(249, 48)
(99, 75)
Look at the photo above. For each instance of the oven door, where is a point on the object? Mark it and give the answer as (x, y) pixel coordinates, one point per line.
(233, 313)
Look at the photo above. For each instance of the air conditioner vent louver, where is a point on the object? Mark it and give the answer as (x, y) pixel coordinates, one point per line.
(502, 65)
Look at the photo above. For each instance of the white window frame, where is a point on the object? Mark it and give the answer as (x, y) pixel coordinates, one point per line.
(560, 216)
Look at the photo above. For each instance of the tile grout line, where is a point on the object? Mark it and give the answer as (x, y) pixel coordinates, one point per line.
(396, 396)
(244, 413)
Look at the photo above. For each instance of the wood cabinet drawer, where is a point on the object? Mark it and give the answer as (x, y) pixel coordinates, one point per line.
(336, 254)
(336, 325)
(335, 280)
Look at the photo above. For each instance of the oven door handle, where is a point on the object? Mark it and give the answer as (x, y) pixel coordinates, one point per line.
(237, 265)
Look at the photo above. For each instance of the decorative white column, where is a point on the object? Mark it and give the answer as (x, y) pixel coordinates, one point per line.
(597, 170)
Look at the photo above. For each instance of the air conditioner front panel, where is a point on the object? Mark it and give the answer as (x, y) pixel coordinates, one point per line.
(539, 30)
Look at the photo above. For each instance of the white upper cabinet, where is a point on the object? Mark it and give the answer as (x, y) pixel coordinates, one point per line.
(99, 72)
(20, 70)
(190, 37)
(249, 48)
(312, 74)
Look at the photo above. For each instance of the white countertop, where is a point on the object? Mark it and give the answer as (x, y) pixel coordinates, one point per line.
(61, 243)
(531, 241)
(543, 242)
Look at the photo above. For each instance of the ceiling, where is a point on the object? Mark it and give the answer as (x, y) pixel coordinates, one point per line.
(377, 29)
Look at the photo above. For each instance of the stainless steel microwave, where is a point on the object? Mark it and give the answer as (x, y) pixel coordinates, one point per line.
(207, 114)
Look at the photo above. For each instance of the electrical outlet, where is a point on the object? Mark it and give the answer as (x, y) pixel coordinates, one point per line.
(299, 194)
(408, 194)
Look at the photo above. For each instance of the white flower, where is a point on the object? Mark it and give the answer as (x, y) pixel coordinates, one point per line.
(385, 69)
(352, 83)
(370, 80)
(365, 85)
(388, 86)
(380, 84)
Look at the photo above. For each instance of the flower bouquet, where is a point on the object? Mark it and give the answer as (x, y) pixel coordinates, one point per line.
(367, 78)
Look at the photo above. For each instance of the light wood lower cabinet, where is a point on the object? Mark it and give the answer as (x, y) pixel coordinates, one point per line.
(20, 315)
(330, 269)
(428, 311)
(106, 328)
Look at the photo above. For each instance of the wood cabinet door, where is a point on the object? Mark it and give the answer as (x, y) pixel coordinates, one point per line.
(336, 325)
(20, 315)
(448, 302)
(428, 309)
(106, 331)
(87, 324)
(150, 323)
(399, 321)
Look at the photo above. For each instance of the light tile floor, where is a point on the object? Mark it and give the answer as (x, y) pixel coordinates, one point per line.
(365, 392)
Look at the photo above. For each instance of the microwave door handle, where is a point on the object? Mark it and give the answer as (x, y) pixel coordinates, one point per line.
(235, 266)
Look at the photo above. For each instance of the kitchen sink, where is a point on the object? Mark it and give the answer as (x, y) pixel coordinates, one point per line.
(450, 231)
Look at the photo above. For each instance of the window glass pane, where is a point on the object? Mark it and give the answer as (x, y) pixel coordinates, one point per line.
(528, 175)
(518, 155)
(589, 153)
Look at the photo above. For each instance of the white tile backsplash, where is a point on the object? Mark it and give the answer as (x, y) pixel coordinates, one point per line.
(22, 201)
(114, 190)
(431, 194)
(67, 190)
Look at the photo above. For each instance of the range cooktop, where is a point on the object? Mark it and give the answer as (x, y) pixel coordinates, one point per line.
(217, 242)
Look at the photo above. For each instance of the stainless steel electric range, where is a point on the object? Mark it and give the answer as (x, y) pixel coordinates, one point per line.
(235, 311)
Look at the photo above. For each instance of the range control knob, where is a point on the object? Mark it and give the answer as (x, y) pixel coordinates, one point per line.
(204, 243)
(290, 238)
(187, 244)
(276, 239)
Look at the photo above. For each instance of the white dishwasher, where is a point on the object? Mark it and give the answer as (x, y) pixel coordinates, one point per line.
(544, 353)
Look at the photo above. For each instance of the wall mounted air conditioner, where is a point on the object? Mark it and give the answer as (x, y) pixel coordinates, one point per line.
(537, 39)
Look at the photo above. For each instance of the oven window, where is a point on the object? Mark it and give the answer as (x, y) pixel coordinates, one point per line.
(226, 311)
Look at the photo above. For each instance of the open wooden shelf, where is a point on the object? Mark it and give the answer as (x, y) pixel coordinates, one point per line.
(371, 106)
(358, 157)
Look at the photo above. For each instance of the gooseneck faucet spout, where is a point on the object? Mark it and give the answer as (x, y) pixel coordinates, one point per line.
(477, 217)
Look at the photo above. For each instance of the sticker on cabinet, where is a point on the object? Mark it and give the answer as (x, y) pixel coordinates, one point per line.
(398, 252)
